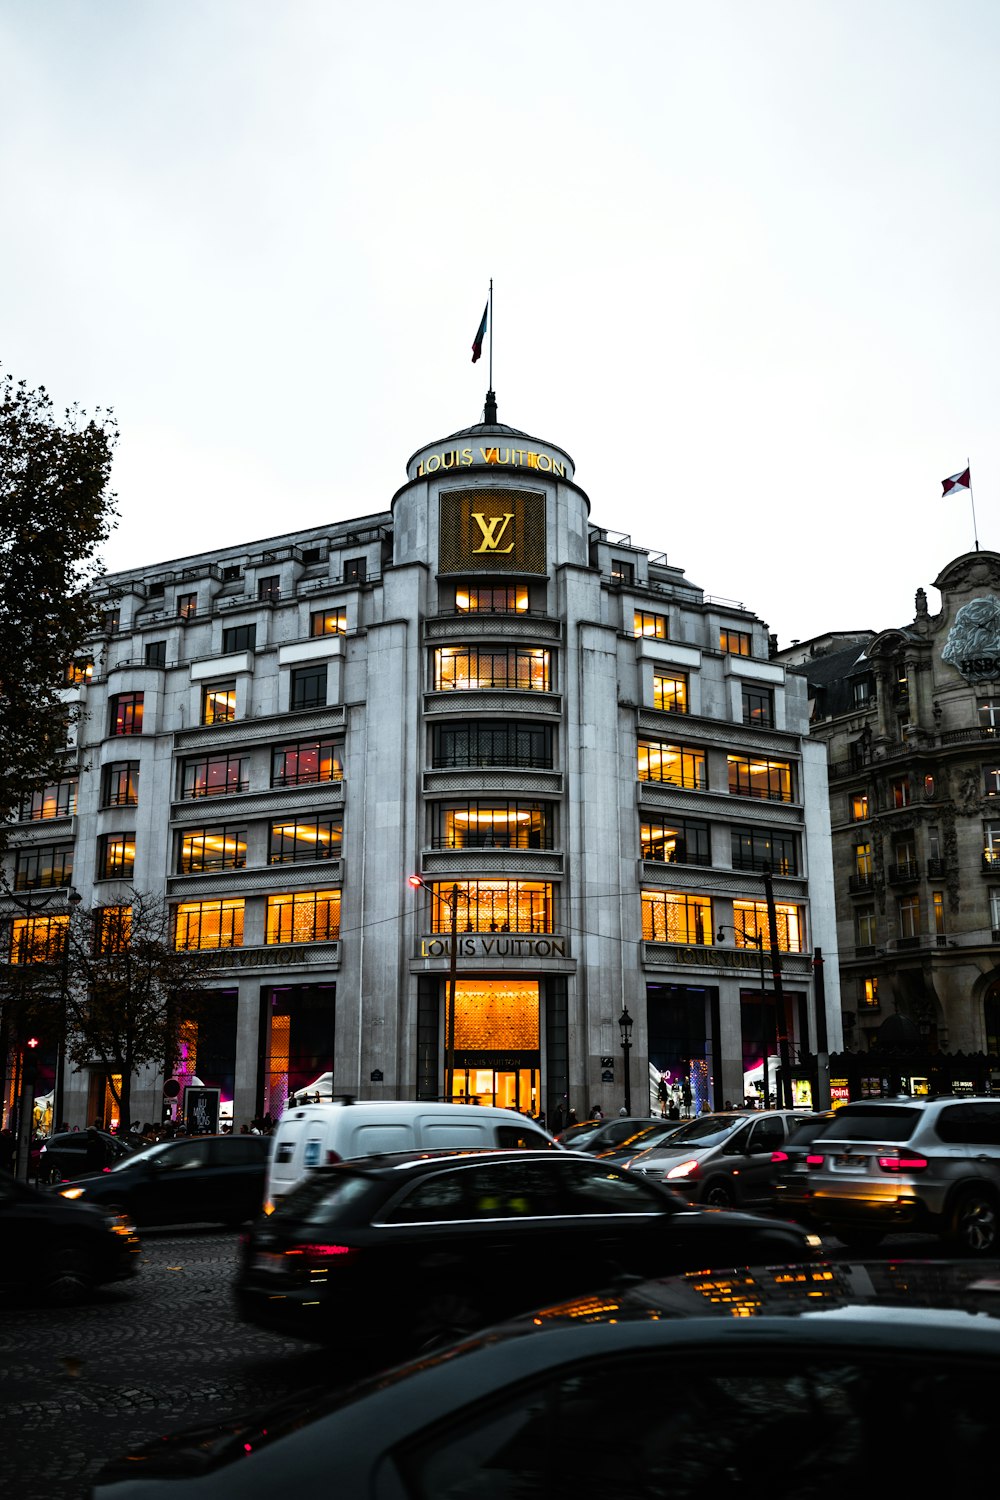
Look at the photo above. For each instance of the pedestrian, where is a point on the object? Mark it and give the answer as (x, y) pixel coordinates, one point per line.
(623, 1111)
(596, 1112)
(571, 1118)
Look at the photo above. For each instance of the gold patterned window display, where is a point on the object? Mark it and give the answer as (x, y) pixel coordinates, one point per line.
(36, 940)
(303, 917)
(673, 917)
(209, 924)
(750, 919)
(505, 601)
(494, 906)
(496, 1016)
(492, 529)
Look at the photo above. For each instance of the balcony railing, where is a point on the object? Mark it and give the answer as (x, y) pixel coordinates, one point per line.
(903, 870)
(935, 868)
(857, 883)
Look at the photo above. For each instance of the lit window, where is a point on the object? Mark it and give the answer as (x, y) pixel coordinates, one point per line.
(304, 917)
(492, 825)
(214, 775)
(126, 713)
(219, 848)
(758, 707)
(494, 906)
(79, 672)
(305, 761)
(670, 692)
(735, 642)
(859, 807)
(991, 780)
(43, 865)
(209, 924)
(112, 929)
(622, 571)
(750, 920)
(269, 589)
(187, 606)
(645, 623)
(937, 901)
(328, 622)
(752, 777)
(682, 841)
(899, 791)
(676, 764)
(868, 992)
(674, 917)
(116, 856)
(505, 601)
(863, 863)
(463, 668)
(304, 838)
(36, 940)
(57, 800)
(120, 786)
(239, 638)
(308, 687)
(218, 703)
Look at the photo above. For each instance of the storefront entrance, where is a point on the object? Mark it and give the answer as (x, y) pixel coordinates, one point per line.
(497, 1054)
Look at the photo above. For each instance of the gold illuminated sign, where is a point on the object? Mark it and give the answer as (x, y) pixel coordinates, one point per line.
(516, 458)
(491, 536)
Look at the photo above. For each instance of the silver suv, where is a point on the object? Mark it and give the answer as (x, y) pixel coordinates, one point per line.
(885, 1165)
(722, 1159)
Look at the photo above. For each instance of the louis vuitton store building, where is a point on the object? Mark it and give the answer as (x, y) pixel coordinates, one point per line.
(475, 746)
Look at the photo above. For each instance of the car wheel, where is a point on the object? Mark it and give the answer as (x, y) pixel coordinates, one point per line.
(975, 1226)
(718, 1194)
(68, 1276)
(448, 1314)
(859, 1239)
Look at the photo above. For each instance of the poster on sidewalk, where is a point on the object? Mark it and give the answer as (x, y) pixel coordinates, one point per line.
(201, 1110)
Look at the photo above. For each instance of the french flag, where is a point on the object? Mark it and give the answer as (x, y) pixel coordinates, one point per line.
(477, 343)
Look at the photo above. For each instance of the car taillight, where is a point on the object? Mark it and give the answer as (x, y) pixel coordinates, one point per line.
(777, 1157)
(814, 1160)
(902, 1163)
(332, 1158)
(683, 1169)
(325, 1253)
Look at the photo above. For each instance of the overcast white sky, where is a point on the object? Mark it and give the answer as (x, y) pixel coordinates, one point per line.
(745, 256)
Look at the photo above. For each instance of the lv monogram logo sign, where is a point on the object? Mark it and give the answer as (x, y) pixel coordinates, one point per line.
(493, 529)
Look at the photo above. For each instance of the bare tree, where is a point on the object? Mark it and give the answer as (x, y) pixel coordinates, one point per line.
(129, 992)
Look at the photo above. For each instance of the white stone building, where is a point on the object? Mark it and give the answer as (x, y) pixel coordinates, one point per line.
(584, 754)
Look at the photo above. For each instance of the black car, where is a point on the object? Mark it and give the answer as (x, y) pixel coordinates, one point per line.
(65, 1153)
(600, 1135)
(814, 1381)
(196, 1179)
(789, 1170)
(401, 1252)
(58, 1250)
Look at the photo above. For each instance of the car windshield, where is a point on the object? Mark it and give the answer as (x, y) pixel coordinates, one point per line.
(575, 1135)
(707, 1130)
(131, 1157)
(883, 1122)
(646, 1136)
(321, 1198)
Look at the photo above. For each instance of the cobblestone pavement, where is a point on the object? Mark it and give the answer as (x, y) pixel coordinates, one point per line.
(165, 1350)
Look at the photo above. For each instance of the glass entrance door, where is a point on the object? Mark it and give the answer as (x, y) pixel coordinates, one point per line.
(506, 1088)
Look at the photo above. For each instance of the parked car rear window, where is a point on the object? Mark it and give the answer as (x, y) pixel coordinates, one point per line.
(970, 1124)
(883, 1122)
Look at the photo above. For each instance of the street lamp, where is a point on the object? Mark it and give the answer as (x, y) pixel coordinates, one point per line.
(418, 882)
(625, 1024)
(757, 938)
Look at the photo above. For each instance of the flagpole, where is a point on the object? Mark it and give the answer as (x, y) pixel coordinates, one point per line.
(968, 465)
(491, 333)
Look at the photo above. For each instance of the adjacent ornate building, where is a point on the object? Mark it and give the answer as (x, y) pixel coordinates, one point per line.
(584, 760)
(911, 718)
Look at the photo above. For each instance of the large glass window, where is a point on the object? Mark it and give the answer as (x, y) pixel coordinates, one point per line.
(239, 638)
(750, 921)
(863, 866)
(644, 623)
(681, 841)
(304, 838)
(79, 672)
(759, 777)
(308, 687)
(758, 706)
(303, 917)
(675, 917)
(218, 703)
(500, 601)
(156, 653)
(492, 825)
(43, 864)
(489, 742)
(302, 761)
(209, 924)
(868, 992)
(187, 606)
(991, 780)
(328, 622)
(116, 856)
(494, 906)
(865, 926)
(677, 764)
(670, 692)
(120, 784)
(221, 847)
(735, 642)
(859, 807)
(35, 940)
(899, 791)
(464, 667)
(214, 775)
(989, 715)
(269, 589)
(126, 713)
(908, 911)
(758, 848)
(56, 800)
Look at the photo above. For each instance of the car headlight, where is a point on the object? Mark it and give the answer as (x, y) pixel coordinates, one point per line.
(814, 1241)
(71, 1192)
(119, 1224)
(682, 1169)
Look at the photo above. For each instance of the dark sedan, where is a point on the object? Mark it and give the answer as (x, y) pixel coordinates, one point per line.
(400, 1253)
(814, 1381)
(65, 1154)
(205, 1179)
(58, 1250)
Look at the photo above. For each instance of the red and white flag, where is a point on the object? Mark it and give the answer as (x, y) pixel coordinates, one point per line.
(961, 481)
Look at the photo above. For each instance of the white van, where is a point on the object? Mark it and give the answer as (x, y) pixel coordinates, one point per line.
(314, 1135)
